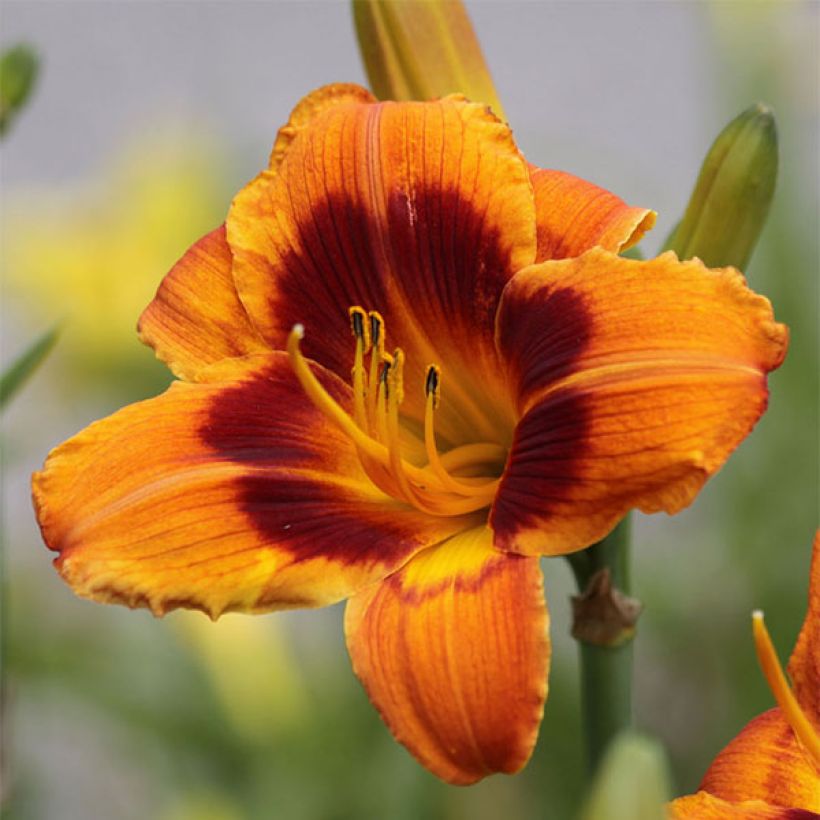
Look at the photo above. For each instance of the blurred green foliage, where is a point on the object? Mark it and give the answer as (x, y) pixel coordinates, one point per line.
(20, 370)
(633, 782)
(19, 67)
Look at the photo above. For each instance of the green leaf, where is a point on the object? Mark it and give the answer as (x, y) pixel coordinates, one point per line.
(19, 370)
(19, 67)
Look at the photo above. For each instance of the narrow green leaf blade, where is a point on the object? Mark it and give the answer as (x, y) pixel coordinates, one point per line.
(19, 67)
(19, 370)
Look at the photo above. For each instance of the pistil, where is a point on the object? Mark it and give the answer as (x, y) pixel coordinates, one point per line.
(783, 694)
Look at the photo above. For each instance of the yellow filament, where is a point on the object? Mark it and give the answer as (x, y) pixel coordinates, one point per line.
(324, 402)
(486, 489)
(394, 396)
(361, 331)
(438, 503)
(375, 429)
(376, 358)
(381, 399)
(359, 390)
(469, 455)
(320, 397)
(780, 688)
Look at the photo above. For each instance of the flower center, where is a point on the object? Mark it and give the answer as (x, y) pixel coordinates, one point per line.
(460, 481)
(784, 696)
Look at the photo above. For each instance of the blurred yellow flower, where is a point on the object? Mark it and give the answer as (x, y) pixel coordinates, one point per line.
(93, 252)
(203, 805)
(252, 671)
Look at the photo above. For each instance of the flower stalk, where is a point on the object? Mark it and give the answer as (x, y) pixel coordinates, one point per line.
(722, 224)
(604, 618)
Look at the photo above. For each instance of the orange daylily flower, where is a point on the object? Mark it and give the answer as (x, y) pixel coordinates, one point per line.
(772, 768)
(510, 388)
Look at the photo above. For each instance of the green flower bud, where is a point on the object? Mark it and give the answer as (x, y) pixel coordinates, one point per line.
(18, 72)
(728, 208)
(422, 50)
(632, 782)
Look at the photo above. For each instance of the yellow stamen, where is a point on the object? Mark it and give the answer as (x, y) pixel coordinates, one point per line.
(324, 402)
(361, 330)
(360, 326)
(376, 359)
(320, 397)
(376, 432)
(469, 455)
(395, 394)
(780, 688)
(381, 398)
(486, 489)
(434, 503)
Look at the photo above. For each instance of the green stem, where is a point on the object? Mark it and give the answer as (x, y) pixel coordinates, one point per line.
(606, 671)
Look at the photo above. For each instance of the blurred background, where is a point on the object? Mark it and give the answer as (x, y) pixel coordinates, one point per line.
(147, 117)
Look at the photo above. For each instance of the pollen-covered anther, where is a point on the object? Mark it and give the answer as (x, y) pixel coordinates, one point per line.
(431, 384)
(361, 330)
(376, 426)
(360, 326)
(376, 327)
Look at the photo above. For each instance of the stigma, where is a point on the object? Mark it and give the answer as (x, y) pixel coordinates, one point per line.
(374, 425)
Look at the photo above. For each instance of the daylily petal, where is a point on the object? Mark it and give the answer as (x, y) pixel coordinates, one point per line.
(635, 382)
(309, 108)
(574, 215)
(765, 762)
(196, 317)
(704, 806)
(454, 653)
(422, 211)
(804, 664)
(235, 493)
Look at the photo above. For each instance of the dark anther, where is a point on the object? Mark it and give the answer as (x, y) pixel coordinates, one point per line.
(375, 329)
(357, 320)
(431, 383)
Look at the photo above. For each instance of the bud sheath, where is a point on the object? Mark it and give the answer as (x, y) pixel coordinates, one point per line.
(422, 50)
(729, 205)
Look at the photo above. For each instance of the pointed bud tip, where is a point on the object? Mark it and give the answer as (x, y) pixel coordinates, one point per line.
(764, 117)
(729, 204)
